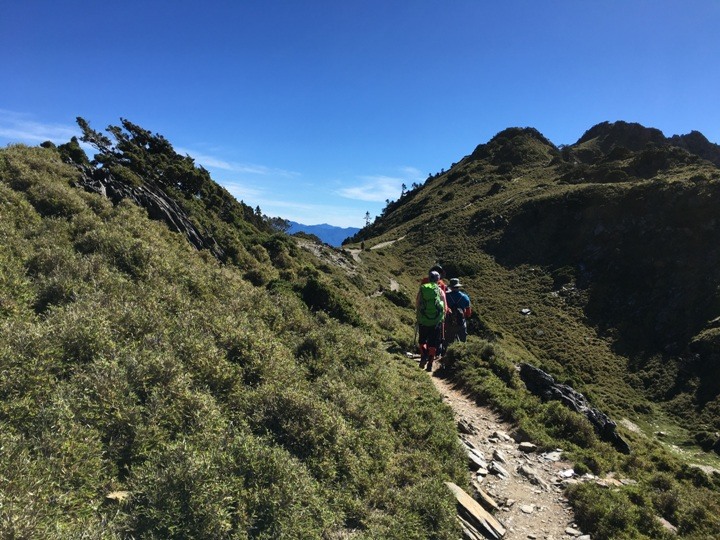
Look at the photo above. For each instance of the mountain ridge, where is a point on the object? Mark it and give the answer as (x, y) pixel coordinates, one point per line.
(633, 214)
(329, 234)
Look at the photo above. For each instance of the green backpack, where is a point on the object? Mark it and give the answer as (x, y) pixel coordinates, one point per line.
(431, 308)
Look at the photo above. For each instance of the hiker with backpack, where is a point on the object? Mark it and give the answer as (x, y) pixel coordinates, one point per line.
(443, 289)
(430, 307)
(459, 310)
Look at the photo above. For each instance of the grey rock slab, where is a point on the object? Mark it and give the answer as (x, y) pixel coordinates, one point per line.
(527, 447)
(498, 455)
(474, 514)
(498, 469)
(532, 475)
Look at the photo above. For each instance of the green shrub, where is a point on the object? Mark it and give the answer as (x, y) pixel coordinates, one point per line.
(609, 514)
(399, 298)
(318, 295)
(564, 423)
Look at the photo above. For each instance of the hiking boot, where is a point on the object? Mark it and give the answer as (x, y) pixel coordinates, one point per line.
(429, 364)
(423, 355)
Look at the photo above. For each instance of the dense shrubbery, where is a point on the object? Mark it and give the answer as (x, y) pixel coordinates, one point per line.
(133, 363)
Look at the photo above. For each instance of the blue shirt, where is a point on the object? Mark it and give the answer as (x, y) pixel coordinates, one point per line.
(457, 299)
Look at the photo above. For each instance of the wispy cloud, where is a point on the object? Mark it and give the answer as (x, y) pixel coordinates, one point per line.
(241, 191)
(20, 127)
(215, 162)
(380, 187)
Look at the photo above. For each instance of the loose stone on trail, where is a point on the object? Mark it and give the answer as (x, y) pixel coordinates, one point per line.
(474, 516)
(496, 468)
(499, 456)
(527, 447)
(466, 427)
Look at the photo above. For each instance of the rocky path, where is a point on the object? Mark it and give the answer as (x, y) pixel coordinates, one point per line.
(525, 485)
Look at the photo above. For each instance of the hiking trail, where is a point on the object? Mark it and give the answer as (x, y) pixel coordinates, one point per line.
(526, 485)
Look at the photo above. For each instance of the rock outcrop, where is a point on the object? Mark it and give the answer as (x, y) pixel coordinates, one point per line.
(158, 204)
(543, 385)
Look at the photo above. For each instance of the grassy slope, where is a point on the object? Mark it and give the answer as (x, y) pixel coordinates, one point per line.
(132, 362)
(499, 220)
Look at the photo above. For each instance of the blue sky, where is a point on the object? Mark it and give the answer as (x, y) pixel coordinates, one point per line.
(319, 111)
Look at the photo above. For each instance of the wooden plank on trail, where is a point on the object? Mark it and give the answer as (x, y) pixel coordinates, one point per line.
(471, 511)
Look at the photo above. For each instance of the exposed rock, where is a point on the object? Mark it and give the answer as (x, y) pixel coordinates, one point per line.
(496, 468)
(154, 200)
(572, 531)
(502, 436)
(466, 427)
(475, 516)
(467, 442)
(484, 499)
(118, 496)
(476, 460)
(672, 529)
(532, 475)
(499, 456)
(469, 532)
(542, 384)
(527, 447)
(552, 456)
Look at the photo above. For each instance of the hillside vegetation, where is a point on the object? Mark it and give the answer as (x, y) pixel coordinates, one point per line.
(597, 262)
(153, 390)
(174, 366)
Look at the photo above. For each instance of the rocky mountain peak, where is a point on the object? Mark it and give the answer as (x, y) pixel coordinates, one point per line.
(629, 135)
(516, 146)
(696, 143)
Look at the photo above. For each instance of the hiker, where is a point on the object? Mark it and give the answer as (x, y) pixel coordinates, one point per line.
(441, 283)
(430, 307)
(457, 313)
(443, 288)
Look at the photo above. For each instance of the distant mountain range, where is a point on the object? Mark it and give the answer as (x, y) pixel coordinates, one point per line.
(327, 233)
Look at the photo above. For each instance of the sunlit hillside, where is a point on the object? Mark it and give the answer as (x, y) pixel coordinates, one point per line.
(597, 262)
(196, 375)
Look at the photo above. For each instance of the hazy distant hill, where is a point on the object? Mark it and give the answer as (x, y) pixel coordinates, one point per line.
(327, 233)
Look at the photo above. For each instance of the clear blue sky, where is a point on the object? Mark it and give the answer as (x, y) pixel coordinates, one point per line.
(318, 111)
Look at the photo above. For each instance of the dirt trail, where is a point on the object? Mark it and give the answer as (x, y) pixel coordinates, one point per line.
(386, 244)
(530, 498)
